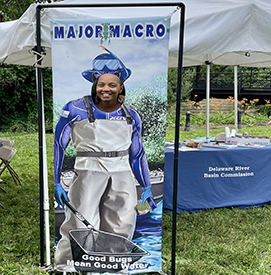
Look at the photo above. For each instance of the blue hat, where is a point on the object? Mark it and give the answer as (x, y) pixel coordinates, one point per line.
(106, 63)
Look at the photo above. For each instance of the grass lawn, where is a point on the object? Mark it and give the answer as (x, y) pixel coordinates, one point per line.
(218, 241)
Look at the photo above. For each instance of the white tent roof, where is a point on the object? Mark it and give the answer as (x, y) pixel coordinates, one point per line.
(228, 32)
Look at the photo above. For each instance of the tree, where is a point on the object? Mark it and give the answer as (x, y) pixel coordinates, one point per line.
(13, 9)
(188, 75)
(18, 105)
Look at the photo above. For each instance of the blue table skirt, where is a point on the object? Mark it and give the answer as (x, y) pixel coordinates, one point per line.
(213, 178)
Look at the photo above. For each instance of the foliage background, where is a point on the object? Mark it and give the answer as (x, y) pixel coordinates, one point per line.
(19, 108)
(150, 104)
(18, 105)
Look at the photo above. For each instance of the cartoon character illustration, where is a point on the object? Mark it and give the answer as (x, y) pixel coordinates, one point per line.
(106, 33)
(107, 137)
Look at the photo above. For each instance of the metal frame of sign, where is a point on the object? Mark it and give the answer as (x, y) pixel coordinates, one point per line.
(181, 6)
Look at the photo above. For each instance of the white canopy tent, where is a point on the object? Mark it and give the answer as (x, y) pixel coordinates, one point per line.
(228, 32)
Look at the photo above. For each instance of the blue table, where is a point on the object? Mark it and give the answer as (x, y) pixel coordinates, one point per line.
(213, 178)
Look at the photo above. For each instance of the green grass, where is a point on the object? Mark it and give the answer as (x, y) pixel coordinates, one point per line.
(219, 241)
(223, 241)
(19, 221)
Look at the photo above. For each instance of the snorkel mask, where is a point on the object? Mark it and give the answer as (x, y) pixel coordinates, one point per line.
(107, 63)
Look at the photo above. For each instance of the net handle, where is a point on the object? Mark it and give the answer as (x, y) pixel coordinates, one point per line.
(77, 214)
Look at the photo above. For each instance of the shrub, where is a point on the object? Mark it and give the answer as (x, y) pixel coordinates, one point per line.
(264, 109)
(150, 103)
(19, 106)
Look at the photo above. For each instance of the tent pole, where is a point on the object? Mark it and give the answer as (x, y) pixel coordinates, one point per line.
(177, 137)
(44, 194)
(208, 100)
(41, 164)
(46, 206)
(236, 98)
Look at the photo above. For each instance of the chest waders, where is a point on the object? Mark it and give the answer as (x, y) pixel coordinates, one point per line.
(104, 189)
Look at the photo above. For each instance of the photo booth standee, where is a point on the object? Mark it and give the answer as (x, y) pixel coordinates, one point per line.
(43, 184)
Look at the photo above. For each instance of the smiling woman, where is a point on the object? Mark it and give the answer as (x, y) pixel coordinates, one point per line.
(108, 90)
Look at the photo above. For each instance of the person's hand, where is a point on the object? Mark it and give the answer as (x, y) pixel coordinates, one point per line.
(59, 190)
(147, 195)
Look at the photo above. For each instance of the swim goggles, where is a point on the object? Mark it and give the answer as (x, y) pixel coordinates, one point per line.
(111, 64)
